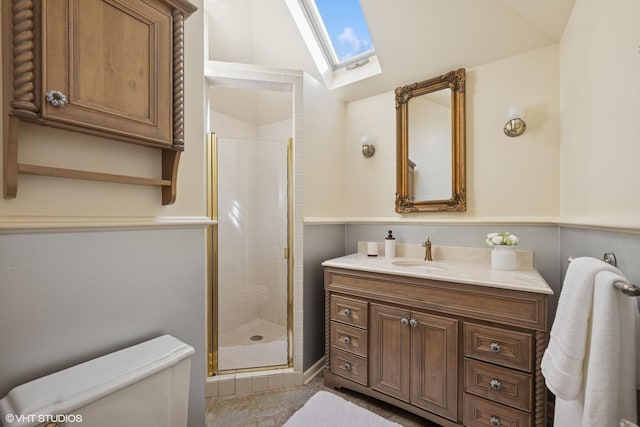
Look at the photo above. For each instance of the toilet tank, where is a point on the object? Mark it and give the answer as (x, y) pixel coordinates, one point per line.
(146, 385)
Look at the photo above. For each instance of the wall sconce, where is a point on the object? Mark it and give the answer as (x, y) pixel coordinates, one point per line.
(368, 149)
(515, 125)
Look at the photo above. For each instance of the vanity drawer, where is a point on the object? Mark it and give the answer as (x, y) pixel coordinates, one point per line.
(499, 346)
(501, 385)
(350, 311)
(348, 338)
(482, 413)
(349, 366)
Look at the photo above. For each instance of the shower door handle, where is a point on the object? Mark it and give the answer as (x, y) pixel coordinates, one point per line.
(286, 253)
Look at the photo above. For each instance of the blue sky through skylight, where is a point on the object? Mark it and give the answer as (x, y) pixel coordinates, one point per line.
(346, 27)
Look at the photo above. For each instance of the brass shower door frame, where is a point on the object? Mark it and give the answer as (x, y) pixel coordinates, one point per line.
(212, 261)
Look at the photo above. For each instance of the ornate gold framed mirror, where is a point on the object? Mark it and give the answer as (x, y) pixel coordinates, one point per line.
(430, 135)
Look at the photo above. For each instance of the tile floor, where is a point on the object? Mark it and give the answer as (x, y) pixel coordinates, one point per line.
(273, 408)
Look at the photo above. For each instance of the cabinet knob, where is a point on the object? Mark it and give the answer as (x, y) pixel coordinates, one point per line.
(404, 321)
(56, 98)
(495, 347)
(347, 366)
(413, 323)
(347, 312)
(346, 339)
(495, 384)
(494, 421)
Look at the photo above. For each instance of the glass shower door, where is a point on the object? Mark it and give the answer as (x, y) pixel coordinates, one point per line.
(252, 313)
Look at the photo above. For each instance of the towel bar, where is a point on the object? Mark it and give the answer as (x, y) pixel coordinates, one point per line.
(626, 288)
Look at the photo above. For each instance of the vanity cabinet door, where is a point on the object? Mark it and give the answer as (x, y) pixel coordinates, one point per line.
(112, 62)
(434, 364)
(390, 350)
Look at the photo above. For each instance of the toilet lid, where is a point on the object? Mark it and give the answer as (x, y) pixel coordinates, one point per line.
(72, 388)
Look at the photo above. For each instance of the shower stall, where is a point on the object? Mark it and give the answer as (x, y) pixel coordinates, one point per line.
(251, 181)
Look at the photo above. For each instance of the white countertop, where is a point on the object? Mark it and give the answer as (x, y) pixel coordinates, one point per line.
(472, 273)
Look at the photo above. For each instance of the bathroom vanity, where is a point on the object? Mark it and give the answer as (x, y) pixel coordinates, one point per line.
(452, 341)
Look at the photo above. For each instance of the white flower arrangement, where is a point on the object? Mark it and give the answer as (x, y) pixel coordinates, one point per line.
(504, 238)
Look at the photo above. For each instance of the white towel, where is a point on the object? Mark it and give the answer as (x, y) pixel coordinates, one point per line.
(590, 363)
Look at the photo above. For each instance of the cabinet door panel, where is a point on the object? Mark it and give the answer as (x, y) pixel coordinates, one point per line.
(434, 360)
(112, 59)
(390, 348)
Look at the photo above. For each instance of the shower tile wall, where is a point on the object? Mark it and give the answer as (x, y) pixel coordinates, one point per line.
(231, 234)
(293, 82)
(250, 171)
(276, 309)
(271, 236)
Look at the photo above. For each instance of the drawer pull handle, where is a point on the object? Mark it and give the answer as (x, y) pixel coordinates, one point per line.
(404, 321)
(495, 384)
(494, 421)
(495, 347)
(56, 98)
(346, 339)
(347, 366)
(413, 323)
(347, 312)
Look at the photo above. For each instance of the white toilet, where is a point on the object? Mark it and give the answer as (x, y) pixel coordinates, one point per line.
(143, 385)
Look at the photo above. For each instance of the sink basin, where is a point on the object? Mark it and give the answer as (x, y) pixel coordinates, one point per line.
(424, 265)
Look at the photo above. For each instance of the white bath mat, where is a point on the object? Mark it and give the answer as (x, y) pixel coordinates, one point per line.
(325, 409)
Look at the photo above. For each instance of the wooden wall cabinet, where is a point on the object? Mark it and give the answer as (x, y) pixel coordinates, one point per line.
(112, 68)
(455, 354)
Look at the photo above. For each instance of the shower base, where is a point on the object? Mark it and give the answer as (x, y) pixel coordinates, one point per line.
(242, 348)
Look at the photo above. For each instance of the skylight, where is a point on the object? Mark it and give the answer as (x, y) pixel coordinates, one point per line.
(337, 36)
(342, 30)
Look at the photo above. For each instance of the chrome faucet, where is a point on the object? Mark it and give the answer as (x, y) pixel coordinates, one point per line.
(427, 253)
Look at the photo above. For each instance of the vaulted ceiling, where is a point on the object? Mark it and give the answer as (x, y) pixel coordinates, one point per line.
(414, 39)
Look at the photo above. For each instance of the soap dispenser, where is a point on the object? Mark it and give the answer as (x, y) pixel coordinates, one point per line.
(390, 246)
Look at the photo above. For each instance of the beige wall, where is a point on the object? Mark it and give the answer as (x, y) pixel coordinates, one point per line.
(600, 109)
(323, 157)
(47, 197)
(514, 177)
(596, 97)
(370, 183)
(507, 178)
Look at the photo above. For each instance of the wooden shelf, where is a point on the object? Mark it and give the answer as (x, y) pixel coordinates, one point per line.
(90, 176)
